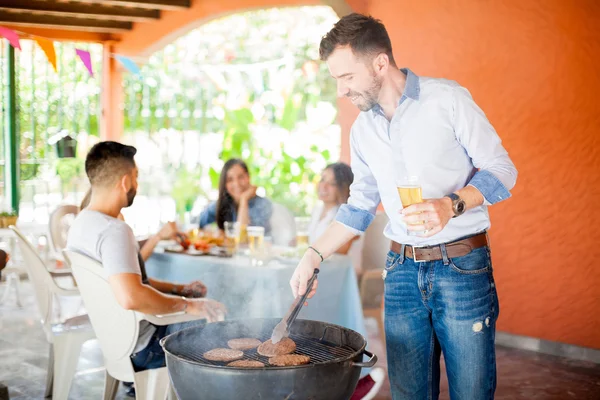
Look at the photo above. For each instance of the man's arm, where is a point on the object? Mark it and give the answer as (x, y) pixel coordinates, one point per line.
(132, 294)
(492, 183)
(496, 174)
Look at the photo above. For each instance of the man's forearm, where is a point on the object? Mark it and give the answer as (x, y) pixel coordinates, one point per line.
(471, 195)
(333, 238)
(132, 294)
(165, 287)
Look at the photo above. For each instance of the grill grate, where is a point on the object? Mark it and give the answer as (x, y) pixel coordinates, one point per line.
(319, 351)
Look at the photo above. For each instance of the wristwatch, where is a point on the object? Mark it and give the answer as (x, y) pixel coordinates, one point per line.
(458, 205)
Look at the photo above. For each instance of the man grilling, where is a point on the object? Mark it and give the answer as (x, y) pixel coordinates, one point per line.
(439, 288)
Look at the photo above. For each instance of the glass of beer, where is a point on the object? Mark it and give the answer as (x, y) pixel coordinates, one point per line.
(302, 225)
(232, 236)
(409, 189)
(256, 243)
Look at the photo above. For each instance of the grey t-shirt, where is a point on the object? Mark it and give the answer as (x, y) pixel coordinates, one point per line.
(111, 242)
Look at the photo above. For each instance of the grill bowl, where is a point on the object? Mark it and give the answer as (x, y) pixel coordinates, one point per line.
(336, 360)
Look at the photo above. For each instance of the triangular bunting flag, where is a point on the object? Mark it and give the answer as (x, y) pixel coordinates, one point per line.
(12, 37)
(48, 47)
(129, 64)
(86, 59)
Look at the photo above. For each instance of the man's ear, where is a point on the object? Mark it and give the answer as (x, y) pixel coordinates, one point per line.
(381, 63)
(125, 182)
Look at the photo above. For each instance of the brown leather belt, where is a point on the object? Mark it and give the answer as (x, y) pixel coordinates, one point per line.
(433, 253)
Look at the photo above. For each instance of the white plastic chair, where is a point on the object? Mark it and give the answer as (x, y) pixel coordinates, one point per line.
(13, 281)
(117, 331)
(66, 337)
(58, 227)
(375, 249)
(283, 225)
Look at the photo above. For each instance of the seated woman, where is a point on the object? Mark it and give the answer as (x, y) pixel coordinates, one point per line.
(333, 191)
(237, 200)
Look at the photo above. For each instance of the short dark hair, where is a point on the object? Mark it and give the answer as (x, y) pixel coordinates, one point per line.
(365, 35)
(108, 161)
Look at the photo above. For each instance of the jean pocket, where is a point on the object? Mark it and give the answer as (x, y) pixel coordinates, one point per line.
(477, 261)
(141, 359)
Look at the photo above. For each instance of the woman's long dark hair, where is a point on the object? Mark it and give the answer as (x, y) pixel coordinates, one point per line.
(343, 179)
(225, 203)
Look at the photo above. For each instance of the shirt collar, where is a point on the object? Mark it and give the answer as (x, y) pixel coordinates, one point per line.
(412, 89)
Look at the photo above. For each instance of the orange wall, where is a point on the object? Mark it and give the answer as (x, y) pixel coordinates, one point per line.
(534, 67)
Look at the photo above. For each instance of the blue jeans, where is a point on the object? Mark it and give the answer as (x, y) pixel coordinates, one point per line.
(434, 307)
(153, 356)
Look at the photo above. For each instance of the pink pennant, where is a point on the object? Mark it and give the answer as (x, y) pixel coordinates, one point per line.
(12, 37)
(86, 59)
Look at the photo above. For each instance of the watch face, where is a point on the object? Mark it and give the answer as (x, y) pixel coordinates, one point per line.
(460, 207)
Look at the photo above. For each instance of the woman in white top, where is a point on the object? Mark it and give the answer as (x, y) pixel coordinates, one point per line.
(333, 191)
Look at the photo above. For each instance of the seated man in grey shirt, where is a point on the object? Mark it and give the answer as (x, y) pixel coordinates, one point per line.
(99, 234)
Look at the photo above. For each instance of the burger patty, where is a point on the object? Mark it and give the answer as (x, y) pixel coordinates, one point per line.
(246, 364)
(284, 346)
(243, 343)
(224, 355)
(289, 360)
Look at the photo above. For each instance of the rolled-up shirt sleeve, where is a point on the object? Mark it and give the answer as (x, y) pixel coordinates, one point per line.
(360, 210)
(496, 174)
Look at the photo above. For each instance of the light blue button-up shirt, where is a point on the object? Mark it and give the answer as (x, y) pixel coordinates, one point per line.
(441, 136)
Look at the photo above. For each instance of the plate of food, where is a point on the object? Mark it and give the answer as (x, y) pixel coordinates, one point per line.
(191, 251)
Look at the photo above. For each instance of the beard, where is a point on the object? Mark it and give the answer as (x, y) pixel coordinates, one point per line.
(370, 96)
(131, 196)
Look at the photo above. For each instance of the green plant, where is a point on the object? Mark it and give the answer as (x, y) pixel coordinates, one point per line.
(186, 189)
(286, 170)
(68, 169)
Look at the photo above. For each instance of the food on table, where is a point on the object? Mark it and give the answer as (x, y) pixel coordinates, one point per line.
(288, 360)
(224, 355)
(183, 241)
(285, 346)
(202, 245)
(243, 343)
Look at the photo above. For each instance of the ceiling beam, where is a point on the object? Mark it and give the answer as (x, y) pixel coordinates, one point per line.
(70, 23)
(148, 4)
(80, 10)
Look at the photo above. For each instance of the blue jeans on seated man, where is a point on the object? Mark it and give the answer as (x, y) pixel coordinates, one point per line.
(441, 307)
(153, 356)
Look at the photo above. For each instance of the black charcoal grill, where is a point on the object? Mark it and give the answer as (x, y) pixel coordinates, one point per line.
(336, 358)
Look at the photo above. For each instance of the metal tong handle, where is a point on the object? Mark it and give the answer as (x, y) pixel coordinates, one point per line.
(302, 299)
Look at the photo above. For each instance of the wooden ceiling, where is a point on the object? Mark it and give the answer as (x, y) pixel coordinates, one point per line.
(100, 16)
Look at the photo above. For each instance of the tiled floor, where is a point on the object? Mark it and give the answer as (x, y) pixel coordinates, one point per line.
(23, 360)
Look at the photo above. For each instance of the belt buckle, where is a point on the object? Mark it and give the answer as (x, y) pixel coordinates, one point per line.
(415, 254)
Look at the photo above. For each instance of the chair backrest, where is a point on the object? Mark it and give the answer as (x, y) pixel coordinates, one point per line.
(58, 227)
(283, 225)
(116, 328)
(40, 278)
(376, 245)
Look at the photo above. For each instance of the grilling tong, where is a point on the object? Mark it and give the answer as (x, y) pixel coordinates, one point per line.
(283, 327)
